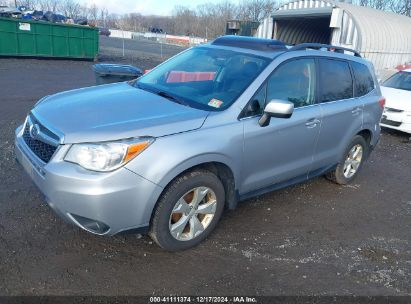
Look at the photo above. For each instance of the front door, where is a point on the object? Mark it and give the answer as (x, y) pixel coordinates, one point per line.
(284, 149)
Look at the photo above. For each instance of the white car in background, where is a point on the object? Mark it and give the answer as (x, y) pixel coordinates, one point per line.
(397, 93)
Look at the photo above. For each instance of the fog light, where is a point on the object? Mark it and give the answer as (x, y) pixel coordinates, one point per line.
(90, 225)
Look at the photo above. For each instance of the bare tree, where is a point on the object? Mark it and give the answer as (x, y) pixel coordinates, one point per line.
(5, 3)
(185, 20)
(213, 18)
(70, 8)
(93, 14)
(103, 16)
(256, 10)
(112, 21)
(48, 5)
(31, 4)
(401, 7)
(377, 4)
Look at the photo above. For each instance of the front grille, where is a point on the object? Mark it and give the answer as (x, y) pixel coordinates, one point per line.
(42, 150)
(393, 123)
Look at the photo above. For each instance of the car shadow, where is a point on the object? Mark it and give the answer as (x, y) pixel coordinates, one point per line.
(404, 137)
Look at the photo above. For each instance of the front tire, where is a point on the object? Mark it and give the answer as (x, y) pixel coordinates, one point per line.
(351, 162)
(188, 210)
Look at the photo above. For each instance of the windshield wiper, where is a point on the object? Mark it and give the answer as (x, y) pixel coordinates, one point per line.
(172, 98)
(162, 94)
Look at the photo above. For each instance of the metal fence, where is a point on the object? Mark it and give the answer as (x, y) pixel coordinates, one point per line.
(159, 37)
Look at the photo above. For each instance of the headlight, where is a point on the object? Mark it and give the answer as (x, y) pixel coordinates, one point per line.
(106, 156)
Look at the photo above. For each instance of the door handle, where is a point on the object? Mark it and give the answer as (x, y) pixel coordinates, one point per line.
(356, 111)
(312, 123)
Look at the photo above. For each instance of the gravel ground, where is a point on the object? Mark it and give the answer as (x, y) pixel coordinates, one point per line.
(315, 238)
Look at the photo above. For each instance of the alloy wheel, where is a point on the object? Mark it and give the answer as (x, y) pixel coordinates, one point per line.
(192, 213)
(353, 161)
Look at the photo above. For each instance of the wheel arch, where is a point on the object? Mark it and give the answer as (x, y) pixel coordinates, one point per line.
(220, 167)
(367, 135)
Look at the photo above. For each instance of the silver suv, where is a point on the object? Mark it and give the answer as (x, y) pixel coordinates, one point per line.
(212, 126)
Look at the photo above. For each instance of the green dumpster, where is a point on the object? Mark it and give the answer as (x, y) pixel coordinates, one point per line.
(45, 39)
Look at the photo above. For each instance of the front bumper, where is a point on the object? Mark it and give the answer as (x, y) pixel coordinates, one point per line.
(397, 121)
(120, 200)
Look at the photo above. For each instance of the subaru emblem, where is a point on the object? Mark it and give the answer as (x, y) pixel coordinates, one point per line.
(34, 131)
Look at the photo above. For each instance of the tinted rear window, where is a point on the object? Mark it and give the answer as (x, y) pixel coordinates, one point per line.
(401, 80)
(335, 80)
(364, 83)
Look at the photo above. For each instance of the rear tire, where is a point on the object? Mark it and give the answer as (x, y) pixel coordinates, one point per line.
(188, 210)
(351, 162)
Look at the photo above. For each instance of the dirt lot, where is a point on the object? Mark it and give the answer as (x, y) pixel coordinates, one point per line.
(316, 238)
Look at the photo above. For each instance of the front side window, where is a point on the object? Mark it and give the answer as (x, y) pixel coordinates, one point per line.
(204, 78)
(401, 81)
(257, 103)
(293, 81)
(364, 83)
(335, 79)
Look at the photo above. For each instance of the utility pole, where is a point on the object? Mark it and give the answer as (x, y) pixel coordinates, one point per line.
(161, 44)
(120, 24)
(123, 43)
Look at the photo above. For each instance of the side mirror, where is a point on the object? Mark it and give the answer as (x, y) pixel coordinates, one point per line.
(278, 109)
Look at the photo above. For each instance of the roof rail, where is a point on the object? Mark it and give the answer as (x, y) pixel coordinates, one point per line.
(328, 47)
(251, 43)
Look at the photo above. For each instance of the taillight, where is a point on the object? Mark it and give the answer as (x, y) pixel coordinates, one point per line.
(382, 102)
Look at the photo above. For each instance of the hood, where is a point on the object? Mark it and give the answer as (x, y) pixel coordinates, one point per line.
(397, 99)
(113, 112)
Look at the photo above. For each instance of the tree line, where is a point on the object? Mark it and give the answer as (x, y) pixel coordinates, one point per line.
(206, 20)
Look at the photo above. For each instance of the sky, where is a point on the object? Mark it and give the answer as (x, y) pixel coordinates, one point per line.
(145, 7)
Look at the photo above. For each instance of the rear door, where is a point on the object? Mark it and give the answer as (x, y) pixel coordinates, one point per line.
(366, 88)
(342, 112)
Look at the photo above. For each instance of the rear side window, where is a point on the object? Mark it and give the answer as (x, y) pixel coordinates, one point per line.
(335, 80)
(364, 83)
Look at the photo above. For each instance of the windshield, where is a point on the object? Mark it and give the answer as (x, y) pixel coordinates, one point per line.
(401, 80)
(204, 78)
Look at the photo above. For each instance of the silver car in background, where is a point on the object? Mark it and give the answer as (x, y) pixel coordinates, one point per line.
(212, 126)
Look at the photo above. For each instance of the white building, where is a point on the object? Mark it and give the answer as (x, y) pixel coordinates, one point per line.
(382, 37)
